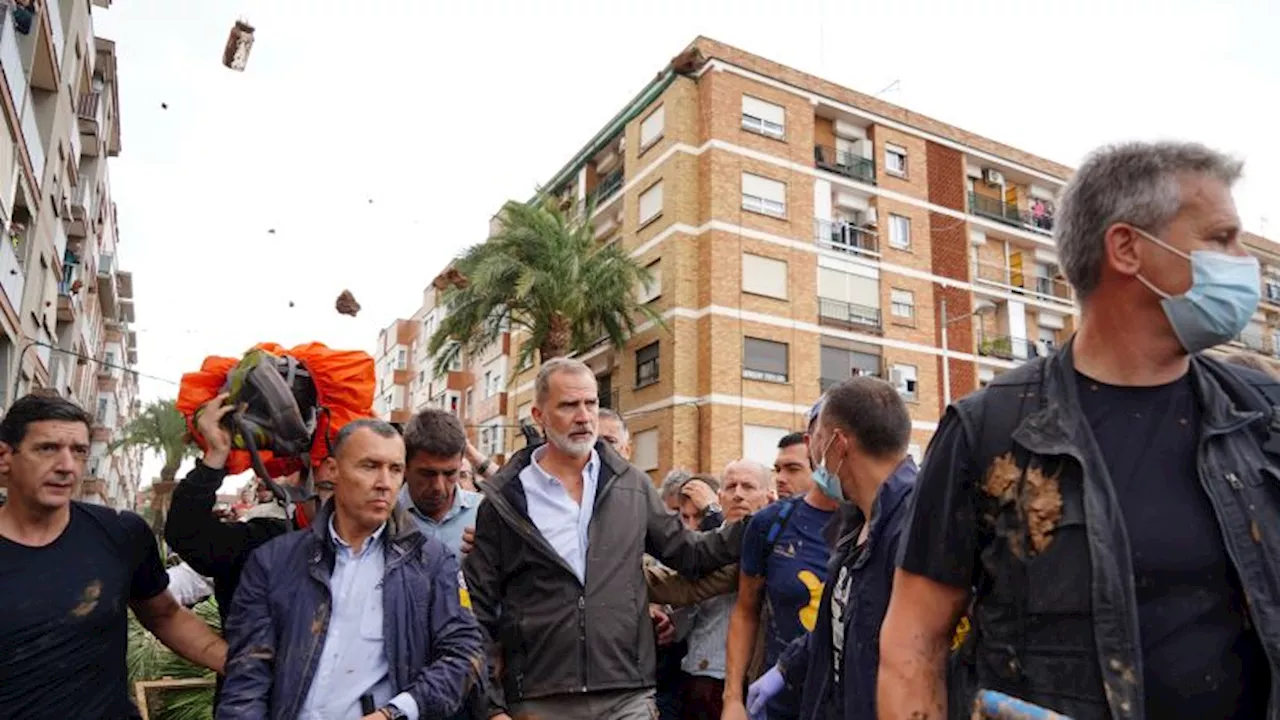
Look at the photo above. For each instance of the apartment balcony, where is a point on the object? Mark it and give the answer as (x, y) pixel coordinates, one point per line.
(1022, 282)
(846, 237)
(100, 433)
(1271, 291)
(1038, 217)
(12, 276)
(1253, 340)
(839, 313)
(69, 302)
(15, 73)
(606, 190)
(839, 364)
(31, 140)
(846, 163)
(81, 209)
(89, 115)
(403, 376)
(46, 63)
(108, 379)
(108, 298)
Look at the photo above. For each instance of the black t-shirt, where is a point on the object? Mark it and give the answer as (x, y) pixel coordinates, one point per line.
(64, 617)
(1200, 658)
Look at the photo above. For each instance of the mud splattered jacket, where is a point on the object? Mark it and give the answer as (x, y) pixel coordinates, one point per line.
(280, 617)
(1055, 619)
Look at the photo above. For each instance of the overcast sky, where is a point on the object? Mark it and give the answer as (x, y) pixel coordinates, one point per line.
(438, 112)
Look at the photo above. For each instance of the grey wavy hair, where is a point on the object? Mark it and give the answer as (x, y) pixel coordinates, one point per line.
(1134, 183)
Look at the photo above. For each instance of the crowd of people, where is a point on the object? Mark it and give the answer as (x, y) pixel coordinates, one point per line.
(1093, 533)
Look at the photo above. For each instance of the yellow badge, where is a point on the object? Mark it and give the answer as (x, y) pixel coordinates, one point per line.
(464, 596)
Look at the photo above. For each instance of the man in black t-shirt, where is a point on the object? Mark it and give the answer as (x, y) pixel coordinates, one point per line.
(69, 573)
(1110, 507)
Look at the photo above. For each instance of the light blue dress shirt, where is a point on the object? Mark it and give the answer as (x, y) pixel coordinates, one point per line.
(461, 515)
(562, 521)
(354, 659)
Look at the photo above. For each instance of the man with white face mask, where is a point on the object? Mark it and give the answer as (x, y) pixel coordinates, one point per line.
(555, 573)
(1114, 506)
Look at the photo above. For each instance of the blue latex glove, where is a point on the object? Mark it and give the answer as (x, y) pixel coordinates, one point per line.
(761, 691)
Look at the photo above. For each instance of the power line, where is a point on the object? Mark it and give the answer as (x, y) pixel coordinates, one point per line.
(32, 342)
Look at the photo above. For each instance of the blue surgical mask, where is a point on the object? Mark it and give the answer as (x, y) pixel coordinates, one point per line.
(1224, 294)
(828, 482)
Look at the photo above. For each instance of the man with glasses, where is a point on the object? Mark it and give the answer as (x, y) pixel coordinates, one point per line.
(435, 445)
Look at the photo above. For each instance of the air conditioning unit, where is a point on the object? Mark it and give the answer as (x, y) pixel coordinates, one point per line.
(870, 216)
(992, 177)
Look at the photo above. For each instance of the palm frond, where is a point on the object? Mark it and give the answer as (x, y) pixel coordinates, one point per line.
(160, 429)
(148, 659)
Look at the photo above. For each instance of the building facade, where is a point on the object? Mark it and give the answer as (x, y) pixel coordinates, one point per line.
(66, 305)
(799, 233)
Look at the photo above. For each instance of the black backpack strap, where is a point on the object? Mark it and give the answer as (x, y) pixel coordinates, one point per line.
(775, 529)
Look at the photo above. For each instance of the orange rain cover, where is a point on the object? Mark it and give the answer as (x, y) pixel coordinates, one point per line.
(344, 380)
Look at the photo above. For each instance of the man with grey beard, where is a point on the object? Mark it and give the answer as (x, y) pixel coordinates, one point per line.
(555, 572)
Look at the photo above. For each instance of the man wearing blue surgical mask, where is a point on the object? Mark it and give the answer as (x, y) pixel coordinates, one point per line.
(1114, 506)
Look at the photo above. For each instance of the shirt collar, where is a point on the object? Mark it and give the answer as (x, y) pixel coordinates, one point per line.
(591, 469)
(369, 542)
(462, 500)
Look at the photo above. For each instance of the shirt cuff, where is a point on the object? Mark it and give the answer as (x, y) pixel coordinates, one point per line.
(407, 705)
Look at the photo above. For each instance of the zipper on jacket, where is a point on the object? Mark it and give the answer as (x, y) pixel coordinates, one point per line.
(582, 637)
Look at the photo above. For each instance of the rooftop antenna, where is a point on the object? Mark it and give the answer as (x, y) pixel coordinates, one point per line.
(1262, 226)
(895, 85)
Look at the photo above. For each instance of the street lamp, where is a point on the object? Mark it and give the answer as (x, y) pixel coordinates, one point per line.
(981, 307)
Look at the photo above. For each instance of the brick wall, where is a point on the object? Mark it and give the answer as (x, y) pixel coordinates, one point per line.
(949, 240)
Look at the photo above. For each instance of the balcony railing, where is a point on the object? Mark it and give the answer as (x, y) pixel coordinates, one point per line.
(12, 277)
(846, 313)
(1045, 287)
(31, 136)
(15, 76)
(54, 11)
(605, 188)
(1011, 348)
(846, 163)
(845, 237)
(1039, 217)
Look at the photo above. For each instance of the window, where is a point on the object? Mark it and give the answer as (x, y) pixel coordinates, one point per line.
(764, 360)
(895, 160)
(400, 359)
(651, 203)
(491, 440)
(899, 232)
(651, 128)
(760, 443)
(647, 365)
(904, 305)
(763, 195)
(838, 364)
(764, 276)
(903, 378)
(102, 411)
(644, 450)
(763, 117)
(471, 402)
(653, 290)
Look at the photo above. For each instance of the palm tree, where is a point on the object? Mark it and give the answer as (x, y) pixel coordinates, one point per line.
(160, 429)
(543, 272)
(148, 659)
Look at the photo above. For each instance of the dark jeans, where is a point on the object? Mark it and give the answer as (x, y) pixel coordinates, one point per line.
(670, 680)
(703, 697)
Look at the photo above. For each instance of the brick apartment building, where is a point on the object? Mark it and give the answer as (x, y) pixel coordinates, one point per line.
(798, 232)
(65, 303)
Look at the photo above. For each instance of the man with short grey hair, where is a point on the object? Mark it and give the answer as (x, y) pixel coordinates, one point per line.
(555, 572)
(1111, 511)
(613, 430)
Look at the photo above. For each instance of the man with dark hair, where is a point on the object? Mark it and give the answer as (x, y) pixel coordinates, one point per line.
(69, 572)
(361, 615)
(1108, 516)
(783, 573)
(435, 444)
(859, 446)
(791, 471)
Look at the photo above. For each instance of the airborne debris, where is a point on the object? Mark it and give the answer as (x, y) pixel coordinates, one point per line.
(164, 106)
(346, 304)
(290, 303)
(239, 42)
(271, 231)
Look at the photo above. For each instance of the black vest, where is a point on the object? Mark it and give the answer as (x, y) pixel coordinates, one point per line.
(1054, 617)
